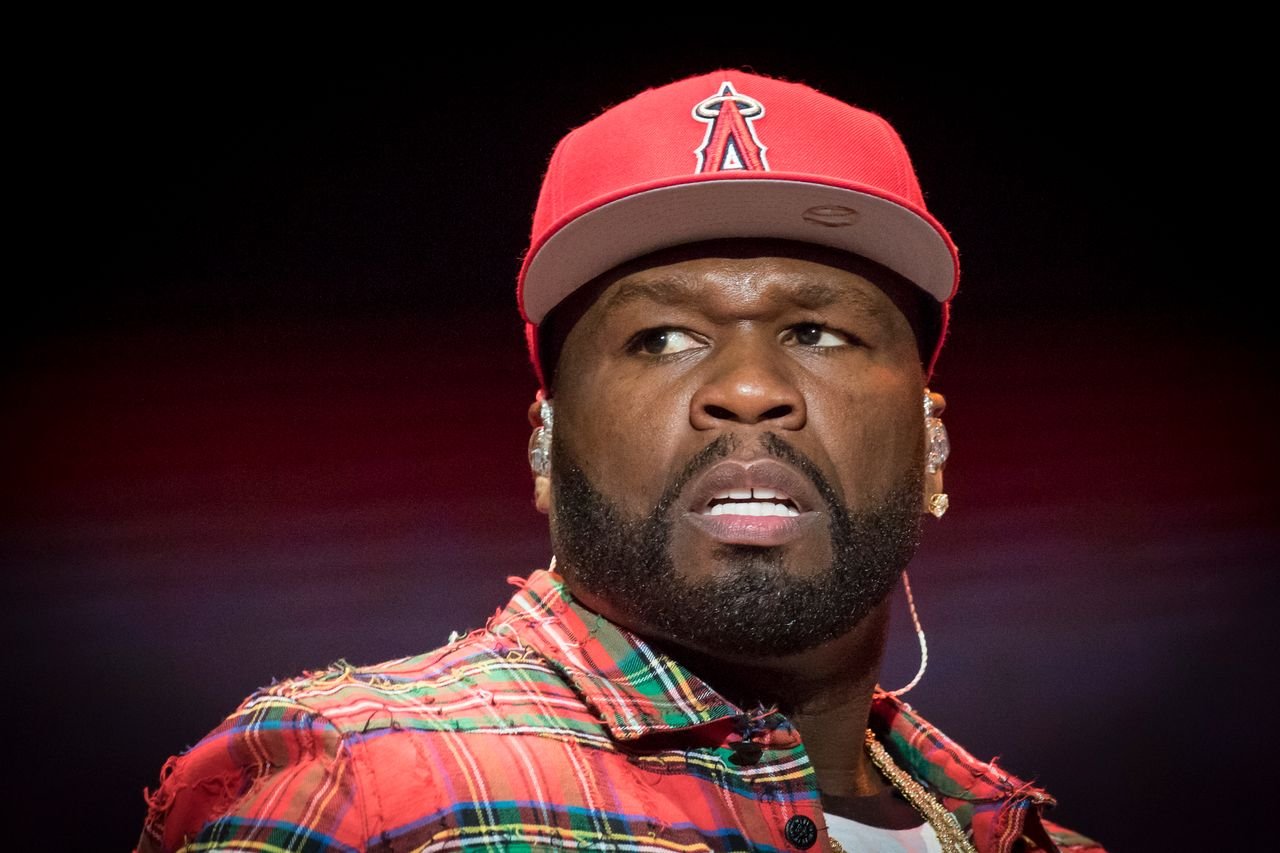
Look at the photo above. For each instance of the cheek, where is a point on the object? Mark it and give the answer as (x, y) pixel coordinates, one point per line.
(871, 431)
(626, 436)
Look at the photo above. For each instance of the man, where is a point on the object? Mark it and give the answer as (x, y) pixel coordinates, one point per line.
(734, 297)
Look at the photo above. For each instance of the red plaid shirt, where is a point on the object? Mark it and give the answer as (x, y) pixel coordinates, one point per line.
(550, 728)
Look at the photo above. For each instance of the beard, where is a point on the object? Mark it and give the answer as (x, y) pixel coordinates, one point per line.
(757, 607)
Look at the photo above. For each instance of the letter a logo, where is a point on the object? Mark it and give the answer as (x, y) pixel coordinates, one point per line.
(730, 143)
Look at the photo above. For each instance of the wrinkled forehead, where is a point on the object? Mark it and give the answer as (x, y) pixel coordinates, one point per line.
(921, 310)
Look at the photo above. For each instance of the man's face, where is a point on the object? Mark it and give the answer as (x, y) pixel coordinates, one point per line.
(738, 446)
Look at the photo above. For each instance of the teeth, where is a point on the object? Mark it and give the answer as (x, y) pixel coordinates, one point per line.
(759, 508)
(747, 494)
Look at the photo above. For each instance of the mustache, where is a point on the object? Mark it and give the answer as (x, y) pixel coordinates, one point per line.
(725, 444)
(781, 449)
(704, 458)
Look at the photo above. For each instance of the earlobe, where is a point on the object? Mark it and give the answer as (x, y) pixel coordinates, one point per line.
(542, 494)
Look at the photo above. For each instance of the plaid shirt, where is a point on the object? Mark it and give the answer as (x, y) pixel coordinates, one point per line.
(550, 728)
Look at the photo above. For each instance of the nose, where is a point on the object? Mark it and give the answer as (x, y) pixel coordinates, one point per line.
(748, 383)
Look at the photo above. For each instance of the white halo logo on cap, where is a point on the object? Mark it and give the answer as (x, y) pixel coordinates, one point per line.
(731, 144)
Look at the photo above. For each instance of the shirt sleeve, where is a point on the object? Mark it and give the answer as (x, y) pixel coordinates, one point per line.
(274, 777)
(1069, 841)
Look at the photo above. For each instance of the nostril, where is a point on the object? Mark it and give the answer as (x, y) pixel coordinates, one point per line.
(722, 413)
(747, 390)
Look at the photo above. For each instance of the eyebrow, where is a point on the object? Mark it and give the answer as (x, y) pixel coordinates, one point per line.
(666, 291)
(810, 295)
(814, 295)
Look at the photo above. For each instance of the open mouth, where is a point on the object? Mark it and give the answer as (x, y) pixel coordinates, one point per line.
(760, 502)
(755, 501)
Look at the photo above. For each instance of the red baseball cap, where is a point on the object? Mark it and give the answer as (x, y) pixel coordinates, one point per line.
(729, 154)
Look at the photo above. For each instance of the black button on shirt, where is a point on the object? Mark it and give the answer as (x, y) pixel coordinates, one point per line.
(801, 831)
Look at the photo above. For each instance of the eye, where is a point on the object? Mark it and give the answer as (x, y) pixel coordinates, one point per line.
(665, 342)
(813, 335)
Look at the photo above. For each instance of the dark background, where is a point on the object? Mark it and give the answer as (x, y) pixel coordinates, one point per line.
(265, 391)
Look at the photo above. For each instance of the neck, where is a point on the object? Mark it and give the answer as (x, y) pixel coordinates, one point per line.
(826, 692)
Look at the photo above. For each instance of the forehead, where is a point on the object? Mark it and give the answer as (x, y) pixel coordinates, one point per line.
(738, 286)
(731, 273)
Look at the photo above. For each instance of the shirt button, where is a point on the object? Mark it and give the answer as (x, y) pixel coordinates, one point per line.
(746, 753)
(801, 831)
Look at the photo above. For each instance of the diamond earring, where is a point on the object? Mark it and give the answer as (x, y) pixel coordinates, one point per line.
(939, 444)
(939, 450)
(540, 443)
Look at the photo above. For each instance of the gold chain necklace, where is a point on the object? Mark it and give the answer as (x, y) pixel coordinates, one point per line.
(950, 836)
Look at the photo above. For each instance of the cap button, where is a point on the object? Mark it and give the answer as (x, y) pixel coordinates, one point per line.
(801, 831)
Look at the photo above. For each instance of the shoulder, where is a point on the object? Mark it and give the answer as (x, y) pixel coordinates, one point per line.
(248, 768)
(291, 761)
(995, 806)
(1069, 841)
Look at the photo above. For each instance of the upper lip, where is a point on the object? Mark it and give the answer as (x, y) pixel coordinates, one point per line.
(768, 473)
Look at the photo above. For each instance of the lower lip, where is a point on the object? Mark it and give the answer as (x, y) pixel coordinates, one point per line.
(762, 531)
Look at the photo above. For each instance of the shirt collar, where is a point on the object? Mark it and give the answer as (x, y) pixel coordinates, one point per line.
(995, 806)
(927, 754)
(639, 690)
(636, 689)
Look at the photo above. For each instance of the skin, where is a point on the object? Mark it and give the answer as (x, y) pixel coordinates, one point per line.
(666, 354)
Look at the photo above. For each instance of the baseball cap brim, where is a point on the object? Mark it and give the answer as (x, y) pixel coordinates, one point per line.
(639, 220)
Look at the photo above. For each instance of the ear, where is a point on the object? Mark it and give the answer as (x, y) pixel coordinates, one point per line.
(541, 484)
(939, 403)
(932, 484)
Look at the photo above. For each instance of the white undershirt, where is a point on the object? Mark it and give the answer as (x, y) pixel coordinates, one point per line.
(857, 837)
